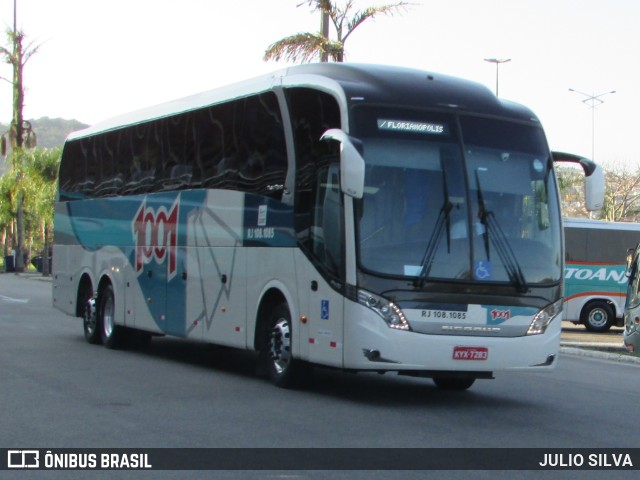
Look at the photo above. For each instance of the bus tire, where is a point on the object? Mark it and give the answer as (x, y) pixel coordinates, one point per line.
(112, 334)
(283, 369)
(597, 316)
(90, 323)
(449, 383)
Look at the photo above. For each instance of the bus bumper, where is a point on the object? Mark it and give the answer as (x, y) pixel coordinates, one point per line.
(371, 345)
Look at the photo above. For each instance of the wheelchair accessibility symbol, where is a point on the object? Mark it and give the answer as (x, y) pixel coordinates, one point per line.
(482, 270)
(324, 310)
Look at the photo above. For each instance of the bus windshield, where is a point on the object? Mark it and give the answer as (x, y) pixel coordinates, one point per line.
(456, 199)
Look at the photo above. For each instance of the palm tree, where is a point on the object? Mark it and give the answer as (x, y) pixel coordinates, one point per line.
(41, 168)
(305, 47)
(20, 134)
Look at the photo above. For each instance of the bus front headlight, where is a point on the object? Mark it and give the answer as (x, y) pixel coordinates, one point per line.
(544, 317)
(389, 311)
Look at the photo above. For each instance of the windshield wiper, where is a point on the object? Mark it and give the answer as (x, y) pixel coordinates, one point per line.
(505, 252)
(444, 219)
(432, 246)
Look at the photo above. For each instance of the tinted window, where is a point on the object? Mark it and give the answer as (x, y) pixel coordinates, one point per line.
(319, 220)
(236, 145)
(598, 245)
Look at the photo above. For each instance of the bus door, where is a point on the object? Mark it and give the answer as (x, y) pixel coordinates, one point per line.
(321, 335)
(322, 281)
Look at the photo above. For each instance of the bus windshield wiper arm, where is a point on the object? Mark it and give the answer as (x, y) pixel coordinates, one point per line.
(444, 218)
(432, 246)
(505, 252)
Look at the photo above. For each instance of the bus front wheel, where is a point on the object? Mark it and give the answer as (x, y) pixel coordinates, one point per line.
(284, 370)
(597, 316)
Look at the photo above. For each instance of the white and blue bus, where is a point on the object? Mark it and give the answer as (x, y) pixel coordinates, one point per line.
(364, 218)
(595, 271)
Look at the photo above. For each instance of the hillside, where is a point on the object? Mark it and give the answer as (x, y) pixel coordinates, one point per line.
(51, 132)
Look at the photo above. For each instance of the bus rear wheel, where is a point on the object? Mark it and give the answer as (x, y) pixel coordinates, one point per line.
(112, 334)
(284, 370)
(90, 322)
(597, 316)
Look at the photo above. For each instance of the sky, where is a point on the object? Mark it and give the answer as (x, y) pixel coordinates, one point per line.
(101, 58)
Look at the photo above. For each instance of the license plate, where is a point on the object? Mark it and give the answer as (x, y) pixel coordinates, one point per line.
(470, 353)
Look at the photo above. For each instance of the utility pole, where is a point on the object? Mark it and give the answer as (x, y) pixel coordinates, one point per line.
(497, 61)
(592, 101)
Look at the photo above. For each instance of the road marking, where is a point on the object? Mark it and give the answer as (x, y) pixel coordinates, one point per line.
(4, 298)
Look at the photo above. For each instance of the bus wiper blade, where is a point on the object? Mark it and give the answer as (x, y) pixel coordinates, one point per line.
(444, 219)
(430, 252)
(505, 252)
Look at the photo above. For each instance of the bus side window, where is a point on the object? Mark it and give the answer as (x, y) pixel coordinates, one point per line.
(138, 147)
(73, 172)
(263, 154)
(326, 230)
(89, 179)
(178, 165)
(218, 155)
(212, 146)
(318, 210)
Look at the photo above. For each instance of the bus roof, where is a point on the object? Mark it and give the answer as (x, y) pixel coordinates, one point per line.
(600, 224)
(358, 83)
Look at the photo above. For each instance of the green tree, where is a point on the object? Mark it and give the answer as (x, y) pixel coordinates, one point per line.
(7, 212)
(32, 178)
(12, 199)
(20, 134)
(305, 47)
(41, 170)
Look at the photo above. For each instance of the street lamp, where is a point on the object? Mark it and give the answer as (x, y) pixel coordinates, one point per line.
(497, 61)
(592, 101)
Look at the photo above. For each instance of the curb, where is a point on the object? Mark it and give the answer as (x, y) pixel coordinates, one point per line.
(601, 354)
(33, 276)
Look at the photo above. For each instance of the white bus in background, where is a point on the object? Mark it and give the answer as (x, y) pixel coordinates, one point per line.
(364, 218)
(595, 271)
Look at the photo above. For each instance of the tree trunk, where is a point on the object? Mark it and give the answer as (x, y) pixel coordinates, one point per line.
(46, 268)
(20, 232)
(324, 29)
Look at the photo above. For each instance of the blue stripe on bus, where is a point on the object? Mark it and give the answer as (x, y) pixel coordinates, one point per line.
(152, 233)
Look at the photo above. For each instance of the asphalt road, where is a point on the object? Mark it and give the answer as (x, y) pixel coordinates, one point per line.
(58, 391)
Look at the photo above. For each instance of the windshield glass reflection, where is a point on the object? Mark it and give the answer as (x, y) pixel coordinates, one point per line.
(436, 208)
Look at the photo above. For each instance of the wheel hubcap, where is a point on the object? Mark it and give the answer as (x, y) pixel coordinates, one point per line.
(90, 316)
(280, 345)
(597, 318)
(107, 317)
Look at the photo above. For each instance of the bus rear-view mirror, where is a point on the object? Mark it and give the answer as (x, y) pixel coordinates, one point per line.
(594, 185)
(351, 163)
(594, 189)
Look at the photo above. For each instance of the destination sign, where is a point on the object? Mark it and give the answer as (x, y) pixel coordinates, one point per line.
(413, 127)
